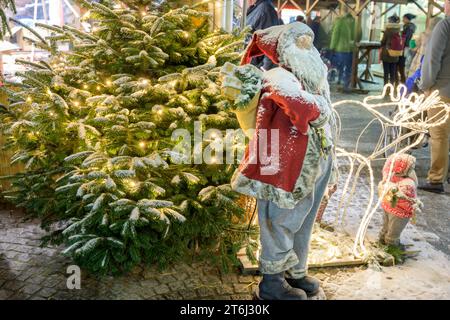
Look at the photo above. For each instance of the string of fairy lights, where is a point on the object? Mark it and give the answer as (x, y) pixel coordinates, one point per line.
(411, 114)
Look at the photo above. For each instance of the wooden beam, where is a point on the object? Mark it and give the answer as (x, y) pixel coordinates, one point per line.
(311, 8)
(437, 5)
(282, 7)
(348, 6)
(296, 5)
(429, 12)
(419, 6)
(364, 6)
(386, 11)
(330, 12)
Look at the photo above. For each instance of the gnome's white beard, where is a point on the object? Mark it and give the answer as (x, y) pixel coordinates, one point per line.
(307, 66)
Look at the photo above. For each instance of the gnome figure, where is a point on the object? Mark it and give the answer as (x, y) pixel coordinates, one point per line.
(290, 157)
(400, 202)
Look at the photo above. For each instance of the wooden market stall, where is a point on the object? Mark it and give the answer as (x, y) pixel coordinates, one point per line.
(363, 49)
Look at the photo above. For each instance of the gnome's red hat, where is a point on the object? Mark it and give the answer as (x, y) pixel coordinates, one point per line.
(268, 41)
(403, 163)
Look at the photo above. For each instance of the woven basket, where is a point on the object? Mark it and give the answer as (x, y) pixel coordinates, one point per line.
(6, 168)
(249, 205)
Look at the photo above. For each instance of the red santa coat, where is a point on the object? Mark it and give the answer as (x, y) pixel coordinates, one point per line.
(285, 111)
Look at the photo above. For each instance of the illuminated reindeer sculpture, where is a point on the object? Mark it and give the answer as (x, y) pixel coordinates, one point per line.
(411, 115)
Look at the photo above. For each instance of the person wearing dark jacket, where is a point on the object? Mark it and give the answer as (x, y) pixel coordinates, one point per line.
(320, 36)
(436, 76)
(408, 31)
(389, 62)
(261, 15)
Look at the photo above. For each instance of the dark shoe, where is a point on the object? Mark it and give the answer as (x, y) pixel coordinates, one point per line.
(275, 287)
(432, 187)
(308, 284)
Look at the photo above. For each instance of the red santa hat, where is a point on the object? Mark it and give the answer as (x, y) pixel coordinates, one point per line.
(271, 41)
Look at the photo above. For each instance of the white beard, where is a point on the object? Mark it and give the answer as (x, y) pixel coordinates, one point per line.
(307, 66)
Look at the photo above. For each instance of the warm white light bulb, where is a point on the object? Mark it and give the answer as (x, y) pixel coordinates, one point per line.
(142, 144)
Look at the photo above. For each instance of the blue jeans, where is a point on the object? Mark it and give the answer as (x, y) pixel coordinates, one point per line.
(285, 233)
(343, 62)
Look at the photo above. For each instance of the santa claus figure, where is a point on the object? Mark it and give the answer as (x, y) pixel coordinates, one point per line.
(289, 159)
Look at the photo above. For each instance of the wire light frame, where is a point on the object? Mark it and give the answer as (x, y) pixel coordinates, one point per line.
(411, 114)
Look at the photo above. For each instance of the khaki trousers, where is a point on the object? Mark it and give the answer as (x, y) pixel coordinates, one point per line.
(439, 148)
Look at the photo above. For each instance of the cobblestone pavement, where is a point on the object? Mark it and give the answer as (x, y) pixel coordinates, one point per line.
(28, 271)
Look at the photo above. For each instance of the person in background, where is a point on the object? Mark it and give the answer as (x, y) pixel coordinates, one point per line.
(436, 76)
(408, 31)
(320, 36)
(415, 70)
(390, 60)
(300, 18)
(343, 44)
(421, 44)
(261, 14)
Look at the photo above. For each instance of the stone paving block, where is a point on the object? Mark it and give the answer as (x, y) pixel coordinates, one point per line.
(63, 295)
(24, 276)
(13, 285)
(161, 289)
(24, 257)
(5, 294)
(10, 255)
(131, 296)
(167, 279)
(181, 276)
(36, 279)
(193, 283)
(204, 292)
(147, 293)
(53, 280)
(189, 294)
(150, 283)
(176, 285)
(245, 279)
(47, 292)
(229, 278)
(241, 297)
(225, 290)
(241, 288)
(6, 274)
(173, 296)
(31, 289)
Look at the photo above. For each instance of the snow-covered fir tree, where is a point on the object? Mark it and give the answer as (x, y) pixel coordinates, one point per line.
(93, 128)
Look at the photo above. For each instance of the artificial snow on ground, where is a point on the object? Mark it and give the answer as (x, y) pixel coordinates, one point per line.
(424, 276)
